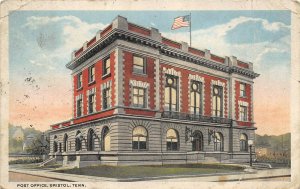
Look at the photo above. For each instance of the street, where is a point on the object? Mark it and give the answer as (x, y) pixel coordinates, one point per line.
(21, 177)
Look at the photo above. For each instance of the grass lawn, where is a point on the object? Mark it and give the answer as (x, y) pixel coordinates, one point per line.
(152, 171)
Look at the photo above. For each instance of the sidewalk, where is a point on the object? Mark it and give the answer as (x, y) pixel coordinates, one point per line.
(238, 176)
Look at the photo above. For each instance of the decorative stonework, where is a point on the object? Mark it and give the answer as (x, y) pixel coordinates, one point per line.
(196, 78)
(218, 83)
(156, 84)
(140, 84)
(171, 71)
(243, 103)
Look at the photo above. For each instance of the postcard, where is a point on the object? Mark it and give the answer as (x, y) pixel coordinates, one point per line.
(107, 94)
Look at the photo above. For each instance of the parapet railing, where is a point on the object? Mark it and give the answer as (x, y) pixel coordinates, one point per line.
(194, 117)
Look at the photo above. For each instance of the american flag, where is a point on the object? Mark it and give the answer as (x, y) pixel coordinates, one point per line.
(181, 21)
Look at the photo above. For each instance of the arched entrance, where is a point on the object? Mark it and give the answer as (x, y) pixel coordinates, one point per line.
(197, 142)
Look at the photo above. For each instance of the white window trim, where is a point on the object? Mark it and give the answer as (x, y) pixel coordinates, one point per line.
(102, 88)
(140, 84)
(221, 84)
(88, 93)
(78, 97)
(245, 104)
(172, 71)
(200, 79)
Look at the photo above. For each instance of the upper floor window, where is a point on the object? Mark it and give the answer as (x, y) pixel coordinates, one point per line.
(106, 66)
(217, 109)
(172, 140)
(106, 98)
(243, 113)
(139, 138)
(196, 98)
(242, 89)
(79, 107)
(171, 93)
(91, 73)
(139, 65)
(139, 97)
(79, 80)
(91, 103)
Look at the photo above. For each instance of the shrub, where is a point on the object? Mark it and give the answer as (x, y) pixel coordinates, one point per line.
(26, 161)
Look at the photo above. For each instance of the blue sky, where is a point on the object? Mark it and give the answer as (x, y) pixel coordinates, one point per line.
(41, 42)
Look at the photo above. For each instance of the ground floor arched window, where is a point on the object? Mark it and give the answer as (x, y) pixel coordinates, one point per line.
(55, 144)
(244, 142)
(91, 140)
(65, 143)
(197, 142)
(78, 141)
(172, 140)
(105, 139)
(218, 142)
(139, 138)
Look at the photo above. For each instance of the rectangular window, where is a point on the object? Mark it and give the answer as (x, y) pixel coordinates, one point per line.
(79, 80)
(243, 113)
(139, 97)
(171, 93)
(91, 74)
(106, 66)
(242, 89)
(217, 109)
(91, 103)
(106, 98)
(139, 65)
(79, 107)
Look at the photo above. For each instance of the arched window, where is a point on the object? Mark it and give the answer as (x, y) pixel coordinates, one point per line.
(171, 93)
(197, 142)
(55, 145)
(172, 140)
(243, 142)
(217, 109)
(65, 143)
(91, 140)
(105, 139)
(78, 139)
(196, 98)
(139, 138)
(218, 142)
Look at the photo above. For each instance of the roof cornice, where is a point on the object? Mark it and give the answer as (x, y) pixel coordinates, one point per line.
(163, 49)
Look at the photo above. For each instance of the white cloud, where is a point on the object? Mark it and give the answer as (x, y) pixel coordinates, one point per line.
(73, 34)
(214, 38)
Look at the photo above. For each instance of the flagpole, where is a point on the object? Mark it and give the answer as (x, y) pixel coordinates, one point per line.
(190, 29)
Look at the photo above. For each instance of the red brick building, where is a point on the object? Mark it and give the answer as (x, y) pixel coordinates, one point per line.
(141, 98)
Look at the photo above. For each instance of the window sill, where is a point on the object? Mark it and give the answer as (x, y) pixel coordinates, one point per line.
(106, 75)
(140, 108)
(140, 74)
(243, 96)
(79, 89)
(92, 82)
(136, 150)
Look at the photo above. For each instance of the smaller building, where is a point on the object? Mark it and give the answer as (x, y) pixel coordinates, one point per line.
(18, 134)
(28, 142)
